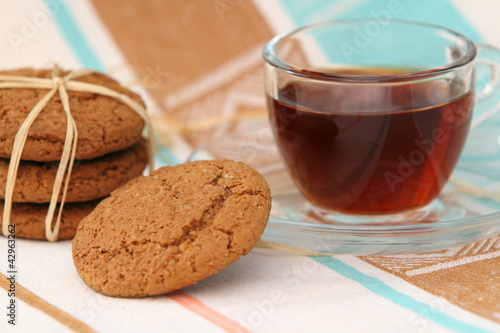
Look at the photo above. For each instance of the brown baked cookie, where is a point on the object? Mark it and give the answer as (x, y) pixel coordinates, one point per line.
(30, 218)
(90, 179)
(104, 124)
(167, 231)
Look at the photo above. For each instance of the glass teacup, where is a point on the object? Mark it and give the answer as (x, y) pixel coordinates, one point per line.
(371, 119)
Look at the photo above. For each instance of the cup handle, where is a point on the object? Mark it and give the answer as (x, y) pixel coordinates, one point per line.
(487, 83)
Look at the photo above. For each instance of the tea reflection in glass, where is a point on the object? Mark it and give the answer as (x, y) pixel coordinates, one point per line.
(369, 149)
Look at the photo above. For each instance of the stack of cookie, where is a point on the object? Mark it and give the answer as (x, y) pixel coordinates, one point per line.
(110, 151)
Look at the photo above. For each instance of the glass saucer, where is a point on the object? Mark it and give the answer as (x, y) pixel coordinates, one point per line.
(469, 205)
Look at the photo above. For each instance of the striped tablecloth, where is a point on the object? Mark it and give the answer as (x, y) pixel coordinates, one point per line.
(194, 60)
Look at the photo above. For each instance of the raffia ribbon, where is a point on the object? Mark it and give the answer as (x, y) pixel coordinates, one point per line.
(61, 85)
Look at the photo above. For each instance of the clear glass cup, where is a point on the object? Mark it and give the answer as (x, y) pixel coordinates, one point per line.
(370, 117)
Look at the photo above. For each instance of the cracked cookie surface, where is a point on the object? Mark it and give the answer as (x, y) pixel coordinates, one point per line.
(104, 124)
(160, 233)
(90, 179)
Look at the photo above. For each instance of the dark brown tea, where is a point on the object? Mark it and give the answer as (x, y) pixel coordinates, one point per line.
(367, 148)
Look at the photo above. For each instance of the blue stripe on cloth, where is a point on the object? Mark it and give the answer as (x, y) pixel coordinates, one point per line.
(378, 287)
(165, 157)
(73, 36)
(437, 12)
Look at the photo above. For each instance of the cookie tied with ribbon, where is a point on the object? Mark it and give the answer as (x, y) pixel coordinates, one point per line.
(56, 119)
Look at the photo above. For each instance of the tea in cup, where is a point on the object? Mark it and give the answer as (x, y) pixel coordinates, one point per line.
(370, 122)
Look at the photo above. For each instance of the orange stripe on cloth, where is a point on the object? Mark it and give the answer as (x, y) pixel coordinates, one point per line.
(47, 308)
(202, 310)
